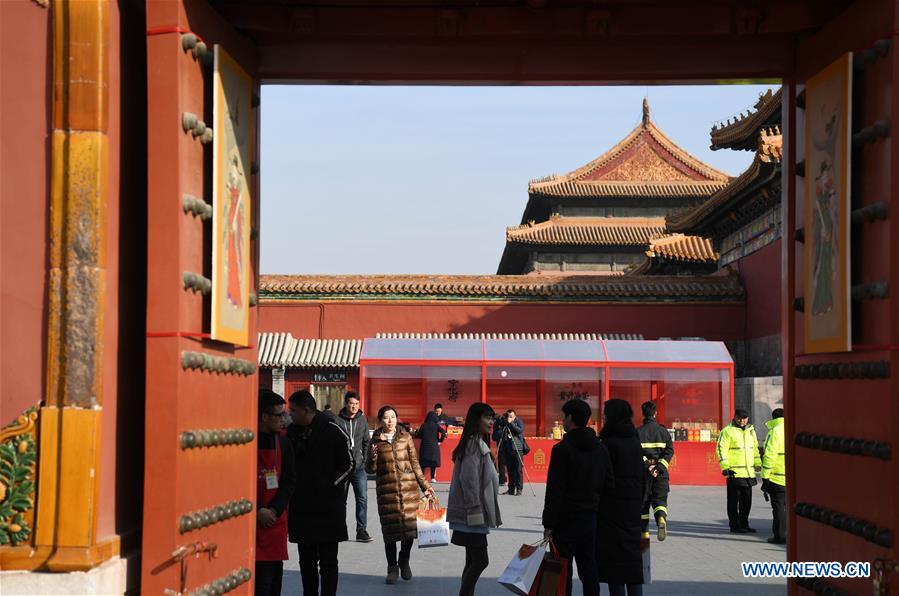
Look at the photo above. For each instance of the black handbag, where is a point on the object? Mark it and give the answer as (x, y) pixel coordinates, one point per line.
(525, 448)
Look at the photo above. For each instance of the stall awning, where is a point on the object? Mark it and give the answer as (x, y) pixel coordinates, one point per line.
(283, 350)
(600, 351)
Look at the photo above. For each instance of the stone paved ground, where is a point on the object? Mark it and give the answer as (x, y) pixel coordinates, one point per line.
(700, 557)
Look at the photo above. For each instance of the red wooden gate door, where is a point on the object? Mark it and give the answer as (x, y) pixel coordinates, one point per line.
(842, 411)
(200, 451)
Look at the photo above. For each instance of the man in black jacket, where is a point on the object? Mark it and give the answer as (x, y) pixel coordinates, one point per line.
(509, 434)
(658, 450)
(352, 421)
(317, 518)
(579, 469)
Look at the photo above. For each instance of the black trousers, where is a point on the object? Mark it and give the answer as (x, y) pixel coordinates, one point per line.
(513, 467)
(656, 499)
(576, 540)
(405, 552)
(501, 466)
(318, 560)
(778, 495)
(268, 578)
(476, 561)
(739, 502)
(625, 590)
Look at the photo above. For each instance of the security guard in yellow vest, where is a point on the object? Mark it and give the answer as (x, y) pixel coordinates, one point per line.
(774, 480)
(739, 457)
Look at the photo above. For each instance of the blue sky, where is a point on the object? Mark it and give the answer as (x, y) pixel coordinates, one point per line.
(374, 179)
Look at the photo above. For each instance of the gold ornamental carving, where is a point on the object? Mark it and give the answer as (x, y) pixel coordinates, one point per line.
(18, 456)
(644, 165)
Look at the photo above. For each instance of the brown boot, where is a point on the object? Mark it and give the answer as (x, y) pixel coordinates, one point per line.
(393, 574)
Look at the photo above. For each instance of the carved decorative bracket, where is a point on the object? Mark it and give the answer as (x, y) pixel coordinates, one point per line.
(18, 458)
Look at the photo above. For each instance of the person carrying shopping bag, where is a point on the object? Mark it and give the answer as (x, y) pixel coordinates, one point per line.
(394, 461)
(473, 506)
(580, 469)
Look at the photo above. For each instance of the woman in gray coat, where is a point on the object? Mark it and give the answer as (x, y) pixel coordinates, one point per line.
(473, 507)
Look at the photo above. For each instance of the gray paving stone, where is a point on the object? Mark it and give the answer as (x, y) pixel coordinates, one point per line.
(699, 557)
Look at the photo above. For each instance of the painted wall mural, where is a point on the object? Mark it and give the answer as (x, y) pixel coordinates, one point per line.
(234, 122)
(828, 155)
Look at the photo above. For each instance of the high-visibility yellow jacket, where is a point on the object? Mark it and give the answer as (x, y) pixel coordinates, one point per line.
(738, 450)
(773, 466)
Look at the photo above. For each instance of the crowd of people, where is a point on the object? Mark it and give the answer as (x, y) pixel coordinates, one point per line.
(601, 489)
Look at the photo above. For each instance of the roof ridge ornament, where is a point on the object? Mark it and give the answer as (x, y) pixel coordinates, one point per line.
(645, 111)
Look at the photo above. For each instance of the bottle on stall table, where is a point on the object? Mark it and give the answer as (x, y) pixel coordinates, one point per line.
(675, 426)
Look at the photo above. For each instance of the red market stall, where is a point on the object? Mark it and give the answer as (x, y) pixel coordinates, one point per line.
(690, 381)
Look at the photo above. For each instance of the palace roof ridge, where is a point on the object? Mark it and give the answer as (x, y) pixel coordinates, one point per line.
(682, 247)
(769, 153)
(696, 177)
(594, 230)
(501, 287)
(739, 132)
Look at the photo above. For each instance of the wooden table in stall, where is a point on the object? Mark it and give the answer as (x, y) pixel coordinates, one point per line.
(695, 463)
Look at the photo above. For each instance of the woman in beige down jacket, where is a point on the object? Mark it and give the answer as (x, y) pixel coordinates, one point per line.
(394, 461)
(473, 508)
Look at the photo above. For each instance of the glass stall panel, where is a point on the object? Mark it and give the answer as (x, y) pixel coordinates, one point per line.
(516, 388)
(562, 384)
(657, 352)
(635, 386)
(453, 349)
(692, 403)
(513, 350)
(543, 350)
(402, 387)
(456, 387)
(391, 349)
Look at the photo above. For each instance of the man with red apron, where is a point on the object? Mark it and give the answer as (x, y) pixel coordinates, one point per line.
(275, 482)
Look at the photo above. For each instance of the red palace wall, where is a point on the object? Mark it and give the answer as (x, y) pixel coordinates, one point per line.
(24, 188)
(761, 277)
(350, 320)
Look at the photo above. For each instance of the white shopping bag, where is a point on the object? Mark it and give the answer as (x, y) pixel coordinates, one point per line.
(433, 529)
(522, 570)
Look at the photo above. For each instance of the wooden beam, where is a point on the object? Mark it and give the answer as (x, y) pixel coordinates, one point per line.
(460, 61)
(505, 18)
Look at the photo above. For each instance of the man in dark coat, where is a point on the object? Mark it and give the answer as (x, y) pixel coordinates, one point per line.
(353, 422)
(619, 556)
(431, 433)
(317, 515)
(443, 419)
(579, 470)
(509, 434)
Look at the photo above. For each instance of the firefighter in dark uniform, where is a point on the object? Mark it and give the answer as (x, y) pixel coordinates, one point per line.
(657, 453)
